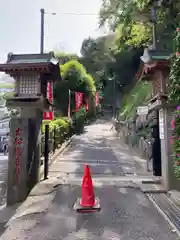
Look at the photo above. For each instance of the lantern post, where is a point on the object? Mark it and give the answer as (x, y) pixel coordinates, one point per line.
(32, 73)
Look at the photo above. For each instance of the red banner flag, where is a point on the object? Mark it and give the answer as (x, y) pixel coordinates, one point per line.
(97, 99)
(50, 114)
(79, 100)
(50, 92)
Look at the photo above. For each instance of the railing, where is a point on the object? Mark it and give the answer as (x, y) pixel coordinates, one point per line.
(56, 137)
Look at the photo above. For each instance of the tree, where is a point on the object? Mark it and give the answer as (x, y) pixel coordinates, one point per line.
(76, 79)
(133, 16)
(96, 56)
(65, 57)
(104, 60)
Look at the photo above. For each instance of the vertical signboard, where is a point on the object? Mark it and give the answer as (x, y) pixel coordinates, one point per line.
(161, 124)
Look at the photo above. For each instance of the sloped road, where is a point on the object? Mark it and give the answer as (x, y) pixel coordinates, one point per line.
(126, 213)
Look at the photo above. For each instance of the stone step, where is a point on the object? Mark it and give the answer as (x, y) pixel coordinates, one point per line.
(152, 188)
(102, 178)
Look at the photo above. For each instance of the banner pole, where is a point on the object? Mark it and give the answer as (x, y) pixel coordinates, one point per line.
(69, 107)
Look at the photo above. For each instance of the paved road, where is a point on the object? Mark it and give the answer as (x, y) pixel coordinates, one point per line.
(126, 212)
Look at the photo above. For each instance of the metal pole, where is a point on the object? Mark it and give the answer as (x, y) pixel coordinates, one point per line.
(69, 104)
(54, 140)
(42, 31)
(114, 104)
(46, 152)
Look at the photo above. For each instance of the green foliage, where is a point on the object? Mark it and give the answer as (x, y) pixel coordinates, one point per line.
(138, 95)
(58, 123)
(103, 58)
(79, 120)
(96, 56)
(59, 131)
(174, 81)
(176, 144)
(65, 57)
(98, 110)
(76, 79)
(134, 19)
(174, 99)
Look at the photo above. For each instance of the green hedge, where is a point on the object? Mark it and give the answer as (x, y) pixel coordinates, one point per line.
(62, 128)
(79, 120)
(59, 131)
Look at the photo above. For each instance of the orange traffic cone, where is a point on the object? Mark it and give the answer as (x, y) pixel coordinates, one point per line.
(88, 202)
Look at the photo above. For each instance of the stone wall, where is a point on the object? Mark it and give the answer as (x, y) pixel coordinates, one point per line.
(137, 137)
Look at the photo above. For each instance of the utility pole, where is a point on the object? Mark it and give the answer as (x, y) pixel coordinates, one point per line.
(42, 31)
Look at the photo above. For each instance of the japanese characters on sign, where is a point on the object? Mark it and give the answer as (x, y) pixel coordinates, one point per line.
(18, 152)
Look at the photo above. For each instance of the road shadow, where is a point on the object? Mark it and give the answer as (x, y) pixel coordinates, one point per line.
(97, 152)
(126, 214)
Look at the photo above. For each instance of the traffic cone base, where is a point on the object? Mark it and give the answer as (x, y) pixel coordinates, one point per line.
(95, 208)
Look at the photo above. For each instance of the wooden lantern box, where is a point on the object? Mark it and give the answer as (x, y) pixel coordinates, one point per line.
(31, 73)
(155, 67)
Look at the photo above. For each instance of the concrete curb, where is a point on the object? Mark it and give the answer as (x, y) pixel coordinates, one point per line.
(163, 214)
(53, 156)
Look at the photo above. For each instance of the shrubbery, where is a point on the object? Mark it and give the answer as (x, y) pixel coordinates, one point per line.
(59, 130)
(78, 121)
(63, 128)
(99, 111)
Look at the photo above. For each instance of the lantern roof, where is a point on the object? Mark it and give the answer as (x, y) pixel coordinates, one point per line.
(45, 62)
(152, 59)
(151, 55)
(32, 58)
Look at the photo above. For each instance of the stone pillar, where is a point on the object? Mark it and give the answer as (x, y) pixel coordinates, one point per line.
(24, 154)
(34, 149)
(168, 176)
(17, 160)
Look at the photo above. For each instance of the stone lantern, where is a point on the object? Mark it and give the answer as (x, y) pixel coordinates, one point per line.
(32, 73)
(155, 67)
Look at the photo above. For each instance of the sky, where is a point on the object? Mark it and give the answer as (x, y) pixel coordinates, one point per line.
(20, 25)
